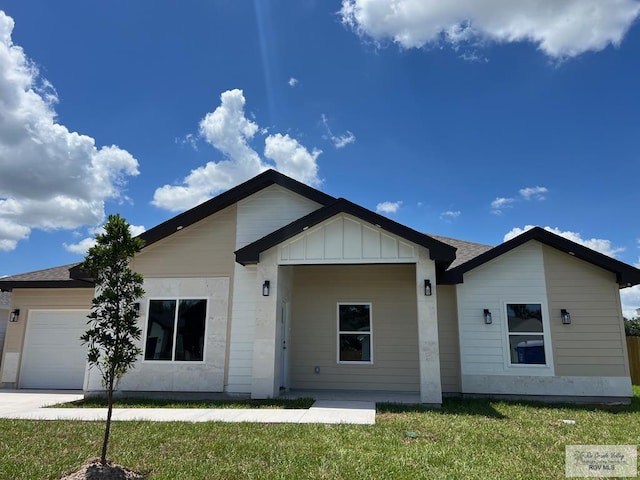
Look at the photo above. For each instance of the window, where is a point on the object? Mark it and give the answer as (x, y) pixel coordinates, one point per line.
(526, 336)
(175, 330)
(354, 333)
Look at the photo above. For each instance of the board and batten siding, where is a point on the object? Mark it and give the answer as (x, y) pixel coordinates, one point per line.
(40, 299)
(257, 216)
(594, 343)
(313, 343)
(448, 338)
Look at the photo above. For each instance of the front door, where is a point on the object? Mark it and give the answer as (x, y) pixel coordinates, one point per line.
(285, 336)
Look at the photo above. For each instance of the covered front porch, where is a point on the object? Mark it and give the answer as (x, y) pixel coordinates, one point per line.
(346, 308)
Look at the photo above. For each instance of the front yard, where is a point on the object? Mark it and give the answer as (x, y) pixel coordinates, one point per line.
(465, 439)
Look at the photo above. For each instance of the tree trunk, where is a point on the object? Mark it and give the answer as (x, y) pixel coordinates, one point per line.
(107, 428)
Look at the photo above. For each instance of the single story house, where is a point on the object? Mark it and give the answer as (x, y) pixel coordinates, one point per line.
(275, 285)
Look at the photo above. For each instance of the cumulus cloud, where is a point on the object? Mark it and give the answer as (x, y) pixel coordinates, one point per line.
(630, 299)
(500, 203)
(339, 141)
(388, 207)
(536, 193)
(50, 178)
(293, 82)
(83, 246)
(559, 28)
(528, 193)
(230, 132)
(597, 244)
(450, 215)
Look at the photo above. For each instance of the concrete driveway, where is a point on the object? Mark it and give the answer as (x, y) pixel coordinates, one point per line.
(28, 405)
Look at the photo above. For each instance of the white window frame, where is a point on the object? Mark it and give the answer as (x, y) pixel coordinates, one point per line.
(531, 368)
(175, 331)
(349, 332)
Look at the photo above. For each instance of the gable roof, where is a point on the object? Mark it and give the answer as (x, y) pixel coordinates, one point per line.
(228, 198)
(440, 252)
(56, 277)
(465, 251)
(220, 202)
(626, 275)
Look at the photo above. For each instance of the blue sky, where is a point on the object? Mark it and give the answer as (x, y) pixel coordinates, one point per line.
(471, 120)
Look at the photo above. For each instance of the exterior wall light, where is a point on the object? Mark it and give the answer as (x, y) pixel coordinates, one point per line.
(566, 316)
(136, 308)
(15, 314)
(487, 316)
(266, 286)
(427, 288)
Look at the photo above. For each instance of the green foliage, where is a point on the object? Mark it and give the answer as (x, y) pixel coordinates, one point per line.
(632, 327)
(465, 439)
(113, 323)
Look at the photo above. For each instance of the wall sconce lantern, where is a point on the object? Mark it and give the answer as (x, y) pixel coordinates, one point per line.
(136, 308)
(15, 314)
(266, 286)
(566, 316)
(487, 316)
(427, 288)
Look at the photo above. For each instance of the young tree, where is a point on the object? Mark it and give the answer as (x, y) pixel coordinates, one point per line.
(113, 329)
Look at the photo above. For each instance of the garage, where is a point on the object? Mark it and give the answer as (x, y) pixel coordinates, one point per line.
(53, 354)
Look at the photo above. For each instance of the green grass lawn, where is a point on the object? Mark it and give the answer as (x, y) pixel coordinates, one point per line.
(134, 402)
(465, 439)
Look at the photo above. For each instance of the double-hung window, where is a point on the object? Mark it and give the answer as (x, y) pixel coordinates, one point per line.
(176, 330)
(355, 333)
(526, 334)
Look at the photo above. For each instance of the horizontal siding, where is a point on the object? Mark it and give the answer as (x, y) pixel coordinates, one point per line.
(391, 291)
(593, 344)
(203, 249)
(448, 338)
(517, 276)
(43, 299)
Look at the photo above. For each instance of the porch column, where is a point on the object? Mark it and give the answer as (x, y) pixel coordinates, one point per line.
(263, 383)
(428, 348)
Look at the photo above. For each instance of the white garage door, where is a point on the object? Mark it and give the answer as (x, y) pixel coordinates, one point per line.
(53, 355)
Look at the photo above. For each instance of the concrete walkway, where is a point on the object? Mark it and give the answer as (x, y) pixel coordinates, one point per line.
(28, 405)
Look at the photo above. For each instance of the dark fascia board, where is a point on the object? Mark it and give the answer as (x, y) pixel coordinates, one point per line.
(11, 285)
(222, 201)
(626, 275)
(440, 252)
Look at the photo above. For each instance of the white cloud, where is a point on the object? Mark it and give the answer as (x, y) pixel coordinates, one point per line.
(535, 193)
(50, 178)
(388, 207)
(229, 131)
(528, 193)
(189, 139)
(450, 215)
(293, 82)
(630, 299)
(339, 141)
(559, 28)
(501, 203)
(597, 244)
(83, 246)
(292, 159)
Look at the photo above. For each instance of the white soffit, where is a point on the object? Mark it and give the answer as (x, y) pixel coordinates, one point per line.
(345, 239)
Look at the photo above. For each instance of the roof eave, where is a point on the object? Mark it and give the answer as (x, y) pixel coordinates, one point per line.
(440, 252)
(228, 198)
(626, 275)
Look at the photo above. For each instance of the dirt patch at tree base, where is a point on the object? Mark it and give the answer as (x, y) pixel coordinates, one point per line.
(94, 470)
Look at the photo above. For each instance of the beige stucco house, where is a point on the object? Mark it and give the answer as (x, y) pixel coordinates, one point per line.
(274, 285)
